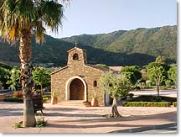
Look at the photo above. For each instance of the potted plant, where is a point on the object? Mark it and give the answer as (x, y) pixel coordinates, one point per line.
(54, 98)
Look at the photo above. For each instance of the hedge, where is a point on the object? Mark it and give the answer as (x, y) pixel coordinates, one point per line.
(151, 98)
(147, 104)
(45, 99)
(20, 100)
(13, 99)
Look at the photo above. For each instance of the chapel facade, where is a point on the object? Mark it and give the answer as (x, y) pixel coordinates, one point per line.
(78, 80)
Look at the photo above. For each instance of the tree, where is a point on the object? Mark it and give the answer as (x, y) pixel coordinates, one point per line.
(14, 79)
(160, 60)
(116, 86)
(19, 19)
(4, 75)
(41, 76)
(132, 73)
(156, 73)
(172, 74)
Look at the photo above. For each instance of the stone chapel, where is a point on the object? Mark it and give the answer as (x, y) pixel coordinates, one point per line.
(77, 80)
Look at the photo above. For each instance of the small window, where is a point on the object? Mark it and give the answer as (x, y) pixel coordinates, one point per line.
(75, 56)
(95, 83)
(110, 85)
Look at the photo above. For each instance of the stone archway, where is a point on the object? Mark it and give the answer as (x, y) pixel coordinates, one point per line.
(76, 89)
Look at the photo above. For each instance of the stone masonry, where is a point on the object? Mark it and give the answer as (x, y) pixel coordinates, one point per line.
(78, 80)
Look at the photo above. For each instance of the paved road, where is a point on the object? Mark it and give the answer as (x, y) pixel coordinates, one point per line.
(168, 130)
(169, 93)
(86, 119)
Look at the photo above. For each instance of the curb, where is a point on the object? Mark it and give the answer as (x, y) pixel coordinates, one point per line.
(134, 130)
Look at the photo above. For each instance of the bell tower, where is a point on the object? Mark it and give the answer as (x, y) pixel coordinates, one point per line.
(76, 56)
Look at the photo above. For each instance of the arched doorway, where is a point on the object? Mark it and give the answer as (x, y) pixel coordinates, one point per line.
(76, 90)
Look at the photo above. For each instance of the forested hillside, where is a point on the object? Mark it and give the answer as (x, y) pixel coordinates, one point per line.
(134, 47)
(154, 41)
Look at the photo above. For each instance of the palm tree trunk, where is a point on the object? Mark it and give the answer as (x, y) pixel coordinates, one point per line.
(25, 55)
(115, 112)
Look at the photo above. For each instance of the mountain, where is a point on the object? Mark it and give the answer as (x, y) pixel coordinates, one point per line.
(153, 41)
(133, 47)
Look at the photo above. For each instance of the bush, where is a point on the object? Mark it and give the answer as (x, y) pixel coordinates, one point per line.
(46, 98)
(13, 99)
(163, 88)
(41, 122)
(151, 98)
(168, 83)
(147, 104)
(137, 88)
(175, 104)
(131, 95)
(19, 125)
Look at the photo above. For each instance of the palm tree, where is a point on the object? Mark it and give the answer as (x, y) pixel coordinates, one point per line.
(19, 21)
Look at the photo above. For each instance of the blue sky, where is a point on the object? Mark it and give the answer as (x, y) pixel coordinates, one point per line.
(103, 16)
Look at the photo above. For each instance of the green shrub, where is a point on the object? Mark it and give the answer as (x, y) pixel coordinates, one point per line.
(147, 104)
(131, 95)
(19, 125)
(157, 99)
(40, 122)
(164, 88)
(151, 98)
(46, 98)
(175, 104)
(168, 83)
(13, 99)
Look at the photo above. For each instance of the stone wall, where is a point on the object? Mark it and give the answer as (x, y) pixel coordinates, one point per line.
(87, 73)
(76, 67)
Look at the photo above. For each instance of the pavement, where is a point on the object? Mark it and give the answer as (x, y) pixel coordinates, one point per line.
(167, 130)
(89, 119)
(168, 93)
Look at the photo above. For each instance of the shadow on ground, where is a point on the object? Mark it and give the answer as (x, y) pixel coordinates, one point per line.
(108, 122)
(11, 112)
